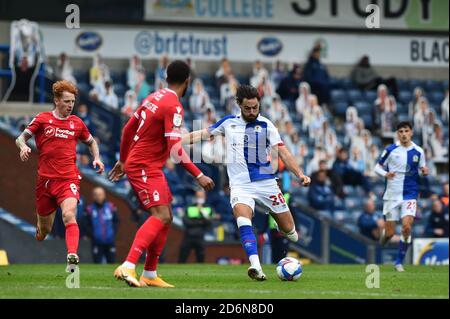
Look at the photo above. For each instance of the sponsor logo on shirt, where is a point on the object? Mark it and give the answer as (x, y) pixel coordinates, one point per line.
(49, 131)
(63, 133)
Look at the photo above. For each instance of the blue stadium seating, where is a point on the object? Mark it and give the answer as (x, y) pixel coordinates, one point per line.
(118, 77)
(405, 96)
(207, 79)
(81, 76)
(371, 96)
(120, 89)
(339, 95)
(355, 95)
(436, 97)
(363, 107)
(402, 108)
(367, 118)
(340, 108)
(242, 79)
(402, 85)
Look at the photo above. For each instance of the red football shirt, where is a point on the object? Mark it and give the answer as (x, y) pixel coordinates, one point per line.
(56, 141)
(160, 116)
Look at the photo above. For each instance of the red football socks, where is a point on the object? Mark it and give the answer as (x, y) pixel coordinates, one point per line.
(144, 238)
(155, 249)
(72, 238)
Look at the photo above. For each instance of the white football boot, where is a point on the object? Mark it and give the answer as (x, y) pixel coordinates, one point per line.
(256, 274)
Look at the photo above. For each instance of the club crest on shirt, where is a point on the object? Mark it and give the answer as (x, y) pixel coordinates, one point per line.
(72, 126)
(177, 119)
(415, 158)
(258, 129)
(156, 196)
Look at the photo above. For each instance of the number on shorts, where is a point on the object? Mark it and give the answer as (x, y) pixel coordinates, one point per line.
(73, 187)
(411, 205)
(277, 199)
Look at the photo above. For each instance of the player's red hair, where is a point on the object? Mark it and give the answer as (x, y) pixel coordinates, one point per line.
(60, 86)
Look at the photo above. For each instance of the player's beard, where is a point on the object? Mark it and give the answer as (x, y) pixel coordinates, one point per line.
(250, 120)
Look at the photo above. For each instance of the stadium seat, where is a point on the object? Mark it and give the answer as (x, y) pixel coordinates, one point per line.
(213, 92)
(403, 85)
(119, 89)
(367, 118)
(402, 117)
(418, 230)
(207, 79)
(347, 83)
(121, 100)
(405, 96)
(355, 95)
(81, 76)
(363, 107)
(339, 96)
(416, 83)
(431, 85)
(340, 108)
(436, 97)
(84, 87)
(370, 96)
(335, 83)
(118, 77)
(402, 108)
(150, 77)
(242, 79)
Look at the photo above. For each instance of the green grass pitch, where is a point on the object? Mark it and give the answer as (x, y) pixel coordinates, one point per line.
(219, 282)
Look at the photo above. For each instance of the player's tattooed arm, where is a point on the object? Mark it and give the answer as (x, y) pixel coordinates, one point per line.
(95, 152)
(195, 137)
(291, 164)
(21, 143)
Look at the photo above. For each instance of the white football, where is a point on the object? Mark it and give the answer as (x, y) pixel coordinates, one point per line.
(289, 269)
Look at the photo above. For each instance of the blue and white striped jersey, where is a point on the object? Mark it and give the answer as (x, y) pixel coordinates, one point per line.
(248, 147)
(405, 162)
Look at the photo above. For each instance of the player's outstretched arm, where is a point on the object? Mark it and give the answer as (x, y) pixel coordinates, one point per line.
(289, 160)
(94, 150)
(195, 137)
(180, 156)
(21, 143)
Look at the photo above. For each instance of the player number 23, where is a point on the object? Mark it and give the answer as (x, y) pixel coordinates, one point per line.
(410, 205)
(277, 199)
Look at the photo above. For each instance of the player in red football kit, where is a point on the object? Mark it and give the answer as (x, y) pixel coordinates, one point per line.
(58, 184)
(149, 137)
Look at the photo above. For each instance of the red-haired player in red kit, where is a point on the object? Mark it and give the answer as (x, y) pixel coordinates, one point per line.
(58, 184)
(149, 137)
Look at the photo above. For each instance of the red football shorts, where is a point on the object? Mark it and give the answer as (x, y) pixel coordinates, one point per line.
(150, 187)
(50, 193)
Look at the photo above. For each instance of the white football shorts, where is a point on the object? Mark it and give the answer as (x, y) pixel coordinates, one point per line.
(265, 192)
(394, 210)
